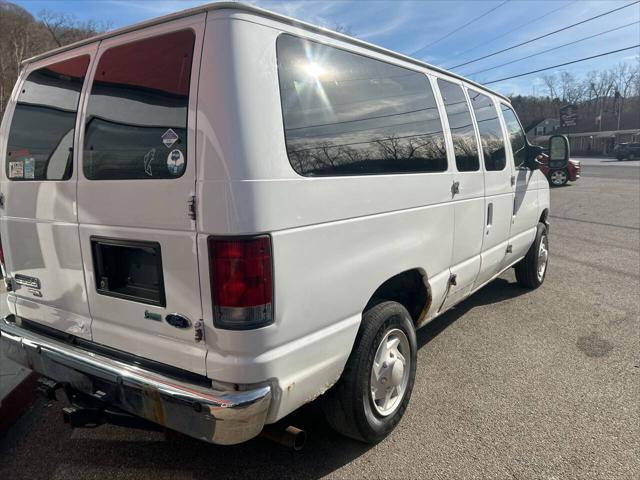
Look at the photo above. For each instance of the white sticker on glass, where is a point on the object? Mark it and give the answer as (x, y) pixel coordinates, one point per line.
(175, 162)
(16, 169)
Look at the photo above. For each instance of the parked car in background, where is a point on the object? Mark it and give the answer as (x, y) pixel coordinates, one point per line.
(629, 151)
(558, 174)
(333, 197)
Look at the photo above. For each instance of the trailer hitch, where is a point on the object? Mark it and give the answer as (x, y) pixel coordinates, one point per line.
(80, 417)
(47, 388)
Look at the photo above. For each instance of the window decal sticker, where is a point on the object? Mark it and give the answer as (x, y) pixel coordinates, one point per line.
(169, 138)
(148, 159)
(175, 162)
(16, 169)
(30, 168)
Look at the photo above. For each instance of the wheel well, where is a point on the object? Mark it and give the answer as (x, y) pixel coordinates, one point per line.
(410, 289)
(543, 217)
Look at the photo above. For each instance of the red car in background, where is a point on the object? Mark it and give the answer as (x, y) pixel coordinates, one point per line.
(558, 174)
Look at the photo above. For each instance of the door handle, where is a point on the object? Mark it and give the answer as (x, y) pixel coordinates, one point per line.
(455, 188)
(489, 216)
(513, 180)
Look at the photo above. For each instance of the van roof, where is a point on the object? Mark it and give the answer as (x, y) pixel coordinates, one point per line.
(263, 13)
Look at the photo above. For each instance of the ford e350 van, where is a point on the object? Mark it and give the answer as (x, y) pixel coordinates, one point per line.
(213, 218)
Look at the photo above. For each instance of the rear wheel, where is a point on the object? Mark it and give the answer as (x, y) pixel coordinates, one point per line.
(632, 156)
(532, 269)
(373, 393)
(558, 178)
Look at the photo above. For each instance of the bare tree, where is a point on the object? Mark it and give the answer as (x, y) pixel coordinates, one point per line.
(571, 90)
(624, 77)
(340, 28)
(551, 82)
(20, 38)
(65, 29)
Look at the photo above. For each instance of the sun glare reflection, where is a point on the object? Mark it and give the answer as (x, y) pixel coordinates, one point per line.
(314, 69)
(317, 73)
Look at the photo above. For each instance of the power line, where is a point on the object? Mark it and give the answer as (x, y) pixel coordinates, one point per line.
(562, 64)
(460, 27)
(363, 119)
(545, 35)
(554, 48)
(519, 27)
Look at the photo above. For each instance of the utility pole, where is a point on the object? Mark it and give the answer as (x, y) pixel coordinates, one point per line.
(618, 104)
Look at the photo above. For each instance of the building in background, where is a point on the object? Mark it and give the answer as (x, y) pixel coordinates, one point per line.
(592, 143)
(542, 127)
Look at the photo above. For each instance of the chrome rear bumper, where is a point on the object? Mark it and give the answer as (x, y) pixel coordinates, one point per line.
(222, 417)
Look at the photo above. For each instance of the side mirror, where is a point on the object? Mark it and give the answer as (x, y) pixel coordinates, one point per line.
(558, 151)
(532, 154)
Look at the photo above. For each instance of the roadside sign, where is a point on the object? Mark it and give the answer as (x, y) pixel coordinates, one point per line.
(568, 116)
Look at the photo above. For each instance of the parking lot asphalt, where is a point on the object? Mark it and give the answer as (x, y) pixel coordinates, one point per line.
(511, 384)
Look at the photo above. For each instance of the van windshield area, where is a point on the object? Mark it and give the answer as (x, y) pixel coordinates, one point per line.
(40, 142)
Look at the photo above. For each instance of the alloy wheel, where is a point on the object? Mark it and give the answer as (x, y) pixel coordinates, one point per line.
(390, 372)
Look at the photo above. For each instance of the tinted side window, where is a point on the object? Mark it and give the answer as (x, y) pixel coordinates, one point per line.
(461, 126)
(516, 135)
(490, 131)
(345, 114)
(40, 142)
(137, 113)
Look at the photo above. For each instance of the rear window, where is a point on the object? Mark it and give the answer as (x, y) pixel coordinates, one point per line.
(346, 114)
(136, 126)
(490, 131)
(40, 142)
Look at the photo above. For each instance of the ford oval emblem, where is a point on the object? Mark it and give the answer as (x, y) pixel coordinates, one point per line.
(178, 321)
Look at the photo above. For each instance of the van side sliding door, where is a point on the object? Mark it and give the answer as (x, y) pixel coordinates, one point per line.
(135, 191)
(467, 191)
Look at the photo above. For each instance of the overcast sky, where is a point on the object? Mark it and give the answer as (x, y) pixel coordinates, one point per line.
(423, 29)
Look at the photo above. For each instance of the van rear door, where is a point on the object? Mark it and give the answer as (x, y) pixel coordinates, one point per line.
(39, 218)
(137, 180)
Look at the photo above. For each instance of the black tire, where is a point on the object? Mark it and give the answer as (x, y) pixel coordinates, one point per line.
(348, 406)
(632, 156)
(564, 180)
(527, 268)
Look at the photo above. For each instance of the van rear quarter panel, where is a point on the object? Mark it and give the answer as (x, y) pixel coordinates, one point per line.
(335, 240)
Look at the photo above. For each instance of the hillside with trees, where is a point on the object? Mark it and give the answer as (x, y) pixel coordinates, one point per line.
(605, 100)
(23, 36)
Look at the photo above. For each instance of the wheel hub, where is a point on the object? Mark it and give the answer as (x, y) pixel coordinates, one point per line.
(558, 177)
(390, 372)
(543, 257)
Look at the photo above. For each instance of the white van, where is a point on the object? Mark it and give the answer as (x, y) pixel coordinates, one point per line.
(213, 218)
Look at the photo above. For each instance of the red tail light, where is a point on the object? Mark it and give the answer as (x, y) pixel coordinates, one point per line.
(241, 287)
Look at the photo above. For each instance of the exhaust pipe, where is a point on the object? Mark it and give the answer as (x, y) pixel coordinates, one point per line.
(290, 437)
